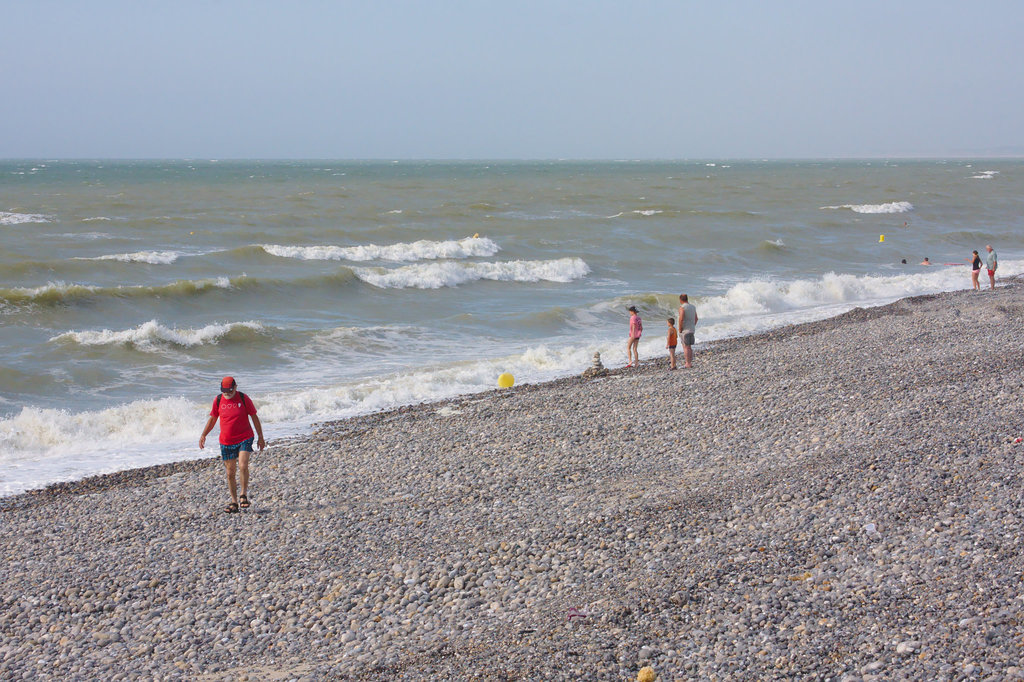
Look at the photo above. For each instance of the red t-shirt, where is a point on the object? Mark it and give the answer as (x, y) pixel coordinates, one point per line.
(234, 418)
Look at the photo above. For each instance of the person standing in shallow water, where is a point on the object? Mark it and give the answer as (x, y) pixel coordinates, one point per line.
(636, 328)
(234, 409)
(687, 328)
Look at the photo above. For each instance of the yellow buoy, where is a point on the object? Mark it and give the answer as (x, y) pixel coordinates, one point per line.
(881, 238)
(505, 380)
(476, 236)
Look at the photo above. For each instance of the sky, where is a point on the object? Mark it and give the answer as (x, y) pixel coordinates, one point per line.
(523, 79)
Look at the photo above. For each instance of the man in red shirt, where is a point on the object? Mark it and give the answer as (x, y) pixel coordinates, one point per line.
(234, 409)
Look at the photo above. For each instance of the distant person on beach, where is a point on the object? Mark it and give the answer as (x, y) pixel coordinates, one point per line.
(688, 328)
(234, 409)
(673, 339)
(975, 270)
(926, 261)
(991, 262)
(636, 328)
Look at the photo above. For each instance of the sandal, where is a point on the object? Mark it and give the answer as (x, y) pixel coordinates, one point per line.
(231, 508)
(243, 502)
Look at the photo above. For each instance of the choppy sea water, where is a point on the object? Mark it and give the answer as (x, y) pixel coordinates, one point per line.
(331, 289)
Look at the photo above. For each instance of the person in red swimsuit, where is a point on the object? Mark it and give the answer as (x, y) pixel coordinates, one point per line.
(234, 409)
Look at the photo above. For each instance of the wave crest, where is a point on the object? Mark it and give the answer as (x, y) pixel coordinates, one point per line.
(451, 274)
(11, 218)
(58, 292)
(152, 257)
(891, 207)
(772, 245)
(423, 249)
(152, 334)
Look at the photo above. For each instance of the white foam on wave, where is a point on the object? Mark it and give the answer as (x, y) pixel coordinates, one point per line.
(646, 212)
(757, 305)
(423, 249)
(152, 257)
(88, 235)
(985, 175)
(891, 207)
(10, 218)
(450, 274)
(152, 334)
(42, 446)
(53, 288)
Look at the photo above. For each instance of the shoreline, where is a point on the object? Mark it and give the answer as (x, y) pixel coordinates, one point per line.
(140, 475)
(839, 498)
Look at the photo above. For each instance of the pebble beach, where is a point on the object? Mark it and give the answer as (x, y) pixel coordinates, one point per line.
(836, 500)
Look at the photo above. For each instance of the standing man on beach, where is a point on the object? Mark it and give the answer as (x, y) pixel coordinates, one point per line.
(687, 327)
(991, 262)
(234, 409)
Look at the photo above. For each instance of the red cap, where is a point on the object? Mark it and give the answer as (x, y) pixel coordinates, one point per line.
(226, 383)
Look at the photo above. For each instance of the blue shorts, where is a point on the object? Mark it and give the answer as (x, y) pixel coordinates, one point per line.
(231, 451)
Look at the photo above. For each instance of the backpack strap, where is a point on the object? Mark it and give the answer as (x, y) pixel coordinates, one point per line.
(240, 394)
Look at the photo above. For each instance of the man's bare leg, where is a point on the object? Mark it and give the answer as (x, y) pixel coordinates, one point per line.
(243, 470)
(229, 465)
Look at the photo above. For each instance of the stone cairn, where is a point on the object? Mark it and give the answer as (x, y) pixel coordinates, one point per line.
(596, 369)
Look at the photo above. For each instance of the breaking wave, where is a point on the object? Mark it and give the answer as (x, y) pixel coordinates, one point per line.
(419, 250)
(804, 296)
(772, 245)
(60, 292)
(9, 218)
(451, 274)
(153, 257)
(891, 207)
(153, 334)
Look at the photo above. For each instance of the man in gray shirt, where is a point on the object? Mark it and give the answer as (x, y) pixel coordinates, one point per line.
(991, 262)
(687, 328)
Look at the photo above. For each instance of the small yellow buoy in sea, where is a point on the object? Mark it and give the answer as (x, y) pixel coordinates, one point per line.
(191, 232)
(881, 238)
(505, 380)
(646, 675)
(476, 235)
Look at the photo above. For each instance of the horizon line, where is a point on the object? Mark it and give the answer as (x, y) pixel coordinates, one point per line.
(386, 159)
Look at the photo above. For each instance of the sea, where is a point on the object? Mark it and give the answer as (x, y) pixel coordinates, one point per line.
(331, 289)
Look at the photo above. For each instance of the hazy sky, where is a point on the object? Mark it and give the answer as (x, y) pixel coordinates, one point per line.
(386, 79)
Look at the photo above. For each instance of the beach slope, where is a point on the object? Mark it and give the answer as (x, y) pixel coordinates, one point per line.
(837, 499)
